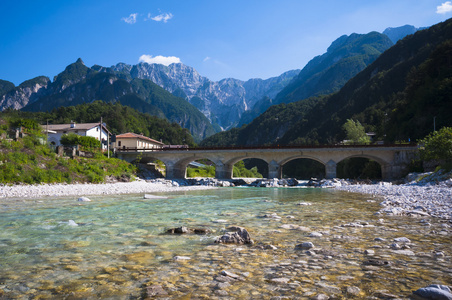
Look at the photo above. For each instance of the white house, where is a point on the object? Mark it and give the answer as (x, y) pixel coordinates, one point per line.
(135, 141)
(95, 130)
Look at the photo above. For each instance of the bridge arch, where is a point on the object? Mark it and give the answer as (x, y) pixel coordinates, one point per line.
(351, 160)
(315, 164)
(179, 167)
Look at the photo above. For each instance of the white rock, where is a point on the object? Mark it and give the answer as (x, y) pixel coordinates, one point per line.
(84, 199)
(315, 234)
(72, 223)
(181, 258)
(402, 240)
(149, 196)
(280, 280)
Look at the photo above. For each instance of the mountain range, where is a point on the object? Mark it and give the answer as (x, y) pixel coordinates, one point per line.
(398, 97)
(180, 94)
(223, 102)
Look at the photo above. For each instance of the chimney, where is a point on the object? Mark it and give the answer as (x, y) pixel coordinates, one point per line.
(72, 124)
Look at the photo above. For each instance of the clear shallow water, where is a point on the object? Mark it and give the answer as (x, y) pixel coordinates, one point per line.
(119, 247)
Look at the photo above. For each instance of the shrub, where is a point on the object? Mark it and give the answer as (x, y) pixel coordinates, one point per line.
(438, 146)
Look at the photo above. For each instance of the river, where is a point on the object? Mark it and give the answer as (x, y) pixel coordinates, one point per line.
(115, 247)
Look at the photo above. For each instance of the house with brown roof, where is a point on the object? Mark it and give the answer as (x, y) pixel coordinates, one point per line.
(135, 141)
(96, 130)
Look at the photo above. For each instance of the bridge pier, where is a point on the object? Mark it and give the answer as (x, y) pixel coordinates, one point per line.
(223, 171)
(175, 172)
(330, 169)
(274, 170)
(389, 171)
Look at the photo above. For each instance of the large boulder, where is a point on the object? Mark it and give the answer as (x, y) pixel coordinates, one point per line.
(239, 235)
(434, 292)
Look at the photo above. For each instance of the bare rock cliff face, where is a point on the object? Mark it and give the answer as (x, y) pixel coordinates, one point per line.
(223, 102)
(25, 93)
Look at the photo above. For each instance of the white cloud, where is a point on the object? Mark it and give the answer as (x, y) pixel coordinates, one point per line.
(444, 8)
(163, 60)
(162, 17)
(132, 19)
(206, 59)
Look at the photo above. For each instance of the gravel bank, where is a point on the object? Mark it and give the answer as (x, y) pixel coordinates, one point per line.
(428, 197)
(59, 190)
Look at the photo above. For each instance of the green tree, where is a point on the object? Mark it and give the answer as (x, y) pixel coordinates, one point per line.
(70, 139)
(438, 146)
(356, 134)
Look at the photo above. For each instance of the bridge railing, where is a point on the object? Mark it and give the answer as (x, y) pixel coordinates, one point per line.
(182, 148)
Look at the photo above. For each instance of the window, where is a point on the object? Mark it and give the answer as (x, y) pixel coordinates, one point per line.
(119, 143)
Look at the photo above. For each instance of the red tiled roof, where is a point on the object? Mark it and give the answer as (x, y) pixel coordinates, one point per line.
(131, 135)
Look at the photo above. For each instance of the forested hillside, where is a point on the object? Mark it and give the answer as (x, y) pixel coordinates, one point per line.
(327, 73)
(398, 97)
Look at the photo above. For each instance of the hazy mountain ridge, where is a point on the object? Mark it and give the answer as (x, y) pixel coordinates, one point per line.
(398, 33)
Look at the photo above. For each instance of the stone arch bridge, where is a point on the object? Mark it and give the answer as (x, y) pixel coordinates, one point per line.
(393, 159)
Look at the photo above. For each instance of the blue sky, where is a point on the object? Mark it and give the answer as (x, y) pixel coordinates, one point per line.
(220, 39)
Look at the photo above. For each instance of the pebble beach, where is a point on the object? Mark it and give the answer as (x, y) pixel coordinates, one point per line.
(78, 190)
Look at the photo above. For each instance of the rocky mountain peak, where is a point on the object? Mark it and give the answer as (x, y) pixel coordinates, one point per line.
(398, 33)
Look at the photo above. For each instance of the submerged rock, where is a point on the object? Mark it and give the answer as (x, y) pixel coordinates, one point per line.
(239, 236)
(304, 246)
(186, 230)
(376, 262)
(155, 290)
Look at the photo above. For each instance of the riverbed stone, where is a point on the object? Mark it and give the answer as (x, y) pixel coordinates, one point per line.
(181, 258)
(186, 230)
(369, 252)
(402, 240)
(304, 246)
(295, 227)
(229, 274)
(395, 246)
(315, 234)
(155, 290)
(353, 290)
(435, 292)
(280, 280)
(404, 252)
(141, 258)
(376, 262)
(240, 236)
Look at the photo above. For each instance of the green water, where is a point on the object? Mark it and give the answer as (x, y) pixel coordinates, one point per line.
(119, 248)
